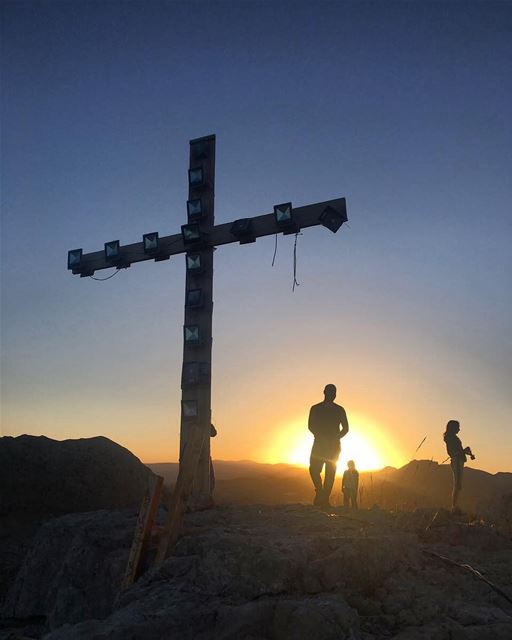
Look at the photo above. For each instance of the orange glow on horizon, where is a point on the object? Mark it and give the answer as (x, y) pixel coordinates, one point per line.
(364, 444)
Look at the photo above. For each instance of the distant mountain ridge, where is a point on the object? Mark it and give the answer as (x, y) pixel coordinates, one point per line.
(418, 483)
(41, 475)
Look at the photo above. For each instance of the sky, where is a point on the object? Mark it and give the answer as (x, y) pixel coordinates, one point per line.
(401, 107)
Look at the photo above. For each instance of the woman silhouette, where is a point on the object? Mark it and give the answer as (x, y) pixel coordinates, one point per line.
(458, 457)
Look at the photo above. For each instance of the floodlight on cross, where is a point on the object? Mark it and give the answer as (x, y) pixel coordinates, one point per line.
(150, 241)
(190, 409)
(195, 373)
(194, 298)
(191, 233)
(332, 219)
(283, 214)
(74, 258)
(242, 229)
(195, 177)
(112, 250)
(194, 263)
(195, 210)
(191, 335)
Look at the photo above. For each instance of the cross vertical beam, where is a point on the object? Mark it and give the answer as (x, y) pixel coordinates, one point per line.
(197, 346)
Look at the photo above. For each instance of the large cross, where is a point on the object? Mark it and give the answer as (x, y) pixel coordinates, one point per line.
(197, 240)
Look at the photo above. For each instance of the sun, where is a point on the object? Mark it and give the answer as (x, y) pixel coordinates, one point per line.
(364, 444)
(353, 447)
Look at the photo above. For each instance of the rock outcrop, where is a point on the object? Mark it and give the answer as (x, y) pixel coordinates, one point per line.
(42, 477)
(269, 573)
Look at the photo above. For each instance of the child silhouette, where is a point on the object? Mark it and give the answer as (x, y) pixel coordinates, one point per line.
(350, 485)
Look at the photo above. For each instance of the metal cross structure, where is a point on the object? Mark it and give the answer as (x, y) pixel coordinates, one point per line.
(197, 240)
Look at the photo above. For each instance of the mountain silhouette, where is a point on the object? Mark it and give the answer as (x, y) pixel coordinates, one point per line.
(419, 483)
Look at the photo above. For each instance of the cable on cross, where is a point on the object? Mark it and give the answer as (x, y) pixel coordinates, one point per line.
(275, 252)
(295, 282)
(107, 278)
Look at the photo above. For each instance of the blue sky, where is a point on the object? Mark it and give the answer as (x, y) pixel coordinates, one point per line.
(403, 108)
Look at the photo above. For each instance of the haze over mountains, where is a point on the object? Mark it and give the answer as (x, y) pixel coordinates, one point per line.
(418, 483)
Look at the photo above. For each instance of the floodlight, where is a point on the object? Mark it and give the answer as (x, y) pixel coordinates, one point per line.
(112, 250)
(194, 298)
(189, 408)
(194, 373)
(284, 217)
(194, 263)
(242, 229)
(332, 219)
(150, 241)
(194, 210)
(74, 258)
(191, 233)
(199, 149)
(195, 177)
(191, 334)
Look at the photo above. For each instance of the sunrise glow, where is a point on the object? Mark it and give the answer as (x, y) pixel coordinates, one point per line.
(364, 444)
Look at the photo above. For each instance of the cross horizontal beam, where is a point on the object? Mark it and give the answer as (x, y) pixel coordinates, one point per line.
(263, 225)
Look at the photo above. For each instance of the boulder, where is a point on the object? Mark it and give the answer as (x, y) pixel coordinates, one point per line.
(44, 477)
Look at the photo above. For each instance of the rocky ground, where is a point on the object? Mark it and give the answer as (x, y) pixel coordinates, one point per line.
(267, 572)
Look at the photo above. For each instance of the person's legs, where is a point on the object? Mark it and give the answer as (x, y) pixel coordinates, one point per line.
(315, 469)
(353, 499)
(457, 468)
(455, 497)
(346, 499)
(330, 475)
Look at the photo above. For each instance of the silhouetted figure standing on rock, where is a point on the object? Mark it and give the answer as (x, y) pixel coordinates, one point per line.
(324, 423)
(458, 457)
(350, 486)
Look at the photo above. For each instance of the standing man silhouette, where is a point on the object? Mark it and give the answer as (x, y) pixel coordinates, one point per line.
(324, 423)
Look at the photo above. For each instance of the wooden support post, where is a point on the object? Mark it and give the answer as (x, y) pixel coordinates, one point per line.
(197, 437)
(145, 522)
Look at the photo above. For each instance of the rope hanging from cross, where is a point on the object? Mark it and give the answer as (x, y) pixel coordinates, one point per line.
(197, 240)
